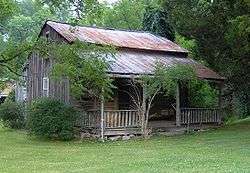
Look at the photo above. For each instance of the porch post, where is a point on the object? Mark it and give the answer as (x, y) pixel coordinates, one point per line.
(102, 118)
(220, 102)
(178, 111)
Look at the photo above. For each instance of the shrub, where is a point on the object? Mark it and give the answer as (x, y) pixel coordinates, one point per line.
(12, 114)
(51, 119)
(242, 104)
(202, 94)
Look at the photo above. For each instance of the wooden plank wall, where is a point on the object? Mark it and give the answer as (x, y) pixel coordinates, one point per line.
(38, 68)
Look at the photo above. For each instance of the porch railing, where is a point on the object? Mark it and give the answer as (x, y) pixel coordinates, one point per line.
(121, 119)
(91, 119)
(112, 119)
(125, 119)
(200, 115)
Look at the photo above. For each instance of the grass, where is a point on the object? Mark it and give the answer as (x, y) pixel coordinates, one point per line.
(223, 150)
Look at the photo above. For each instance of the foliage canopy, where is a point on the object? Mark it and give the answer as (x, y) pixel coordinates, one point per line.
(85, 65)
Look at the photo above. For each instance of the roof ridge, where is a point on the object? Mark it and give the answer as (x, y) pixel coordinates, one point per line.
(104, 28)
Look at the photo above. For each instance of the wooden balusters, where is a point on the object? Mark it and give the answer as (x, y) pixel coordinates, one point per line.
(199, 115)
(121, 118)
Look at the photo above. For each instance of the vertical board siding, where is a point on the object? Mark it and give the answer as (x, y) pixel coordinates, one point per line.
(38, 68)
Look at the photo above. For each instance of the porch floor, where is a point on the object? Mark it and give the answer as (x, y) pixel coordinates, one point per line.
(165, 126)
(161, 124)
(170, 126)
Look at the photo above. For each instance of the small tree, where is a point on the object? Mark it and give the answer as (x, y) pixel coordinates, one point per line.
(164, 81)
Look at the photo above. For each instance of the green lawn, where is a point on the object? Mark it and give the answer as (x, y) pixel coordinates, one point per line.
(223, 150)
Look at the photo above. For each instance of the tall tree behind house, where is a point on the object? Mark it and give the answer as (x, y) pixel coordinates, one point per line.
(221, 32)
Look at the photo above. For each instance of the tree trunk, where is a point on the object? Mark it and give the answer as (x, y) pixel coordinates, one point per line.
(143, 113)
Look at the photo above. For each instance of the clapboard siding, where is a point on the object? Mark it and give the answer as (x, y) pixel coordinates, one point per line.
(39, 67)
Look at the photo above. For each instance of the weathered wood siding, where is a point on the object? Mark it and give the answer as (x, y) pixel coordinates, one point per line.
(34, 76)
(39, 67)
(21, 88)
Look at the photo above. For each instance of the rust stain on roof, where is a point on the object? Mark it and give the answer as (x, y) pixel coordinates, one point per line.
(140, 50)
(136, 63)
(118, 38)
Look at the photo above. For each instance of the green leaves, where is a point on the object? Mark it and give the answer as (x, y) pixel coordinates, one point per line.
(19, 34)
(51, 119)
(7, 7)
(202, 94)
(126, 14)
(12, 114)
(221, 34)
(85, 65)
(166, 78)
(237, 37)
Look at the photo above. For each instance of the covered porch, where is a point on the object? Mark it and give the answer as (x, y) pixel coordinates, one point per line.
(120, 116)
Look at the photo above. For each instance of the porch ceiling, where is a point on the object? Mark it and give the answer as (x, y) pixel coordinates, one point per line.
(137, 63)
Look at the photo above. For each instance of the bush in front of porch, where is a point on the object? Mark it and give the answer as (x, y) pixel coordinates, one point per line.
(51, 119)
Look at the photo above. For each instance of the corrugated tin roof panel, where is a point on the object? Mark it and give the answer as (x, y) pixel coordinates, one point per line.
(132, 62)
(118, 38)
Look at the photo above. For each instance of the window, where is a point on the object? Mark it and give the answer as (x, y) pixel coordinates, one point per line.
(24, 92)
(46, 86)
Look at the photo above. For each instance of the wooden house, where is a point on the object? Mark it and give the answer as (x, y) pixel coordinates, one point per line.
(137, 54)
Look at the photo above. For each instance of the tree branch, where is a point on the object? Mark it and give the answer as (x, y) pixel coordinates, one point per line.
(11, 70)
(4, 60)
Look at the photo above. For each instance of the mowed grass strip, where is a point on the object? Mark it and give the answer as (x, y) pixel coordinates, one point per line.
(222, 150)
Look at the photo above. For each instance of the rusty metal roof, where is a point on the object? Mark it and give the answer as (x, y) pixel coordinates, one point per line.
(117, 38)
(139, 50)
(127, 62)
